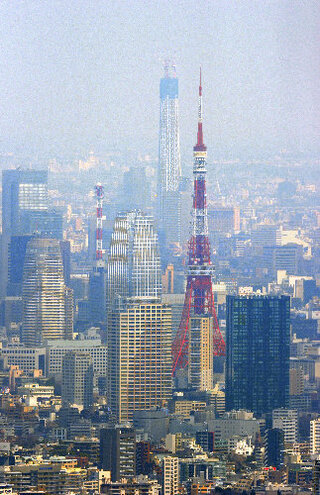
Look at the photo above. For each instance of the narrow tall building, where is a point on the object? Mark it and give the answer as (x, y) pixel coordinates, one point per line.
(24, 204)
(169, 155)
(118, 451)
(200, 353)
(170, 475)
(77, 379)
(97, 278)
(315, 436)
(258, 342)
(139, 347)
(133, 267)
(47, 302)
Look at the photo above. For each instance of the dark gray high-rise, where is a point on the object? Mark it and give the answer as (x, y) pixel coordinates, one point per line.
(118, 451)
(258, 342)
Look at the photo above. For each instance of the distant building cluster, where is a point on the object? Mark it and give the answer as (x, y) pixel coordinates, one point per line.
(159, 334)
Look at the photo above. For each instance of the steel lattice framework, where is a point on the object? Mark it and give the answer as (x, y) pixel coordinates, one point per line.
(199, 296)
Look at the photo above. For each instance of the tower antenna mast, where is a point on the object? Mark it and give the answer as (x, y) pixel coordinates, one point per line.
(199, 299)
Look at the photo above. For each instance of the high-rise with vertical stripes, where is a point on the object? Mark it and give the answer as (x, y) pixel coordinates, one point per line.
(169, 156)
(47, 302)
(133, 267)
(139, 325)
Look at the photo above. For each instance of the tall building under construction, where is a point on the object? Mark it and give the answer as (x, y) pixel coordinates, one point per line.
(169, 156)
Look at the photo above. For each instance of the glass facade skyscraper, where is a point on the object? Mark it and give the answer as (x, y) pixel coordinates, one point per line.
(24, 198)
(133, 267)
(258, 344)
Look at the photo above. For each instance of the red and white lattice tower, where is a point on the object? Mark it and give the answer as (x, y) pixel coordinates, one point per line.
(99, 195)
(199, 299)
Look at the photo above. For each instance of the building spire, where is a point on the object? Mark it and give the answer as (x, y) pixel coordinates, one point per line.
(200, 146)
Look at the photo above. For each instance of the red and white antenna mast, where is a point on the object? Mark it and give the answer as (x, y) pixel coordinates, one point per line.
(99, 195)
(199, 295)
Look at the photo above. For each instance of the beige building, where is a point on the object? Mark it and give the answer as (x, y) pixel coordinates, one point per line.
(315, 436)
(57, 349)
(200, 369)
(185, 407)
(296, 381)
(139, 364)
(54, 478)
(170, 475)
(218, 400)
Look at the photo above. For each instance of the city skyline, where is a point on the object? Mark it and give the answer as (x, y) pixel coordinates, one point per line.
(160, 318)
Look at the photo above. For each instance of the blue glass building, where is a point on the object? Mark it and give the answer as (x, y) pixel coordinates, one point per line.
(258, 344)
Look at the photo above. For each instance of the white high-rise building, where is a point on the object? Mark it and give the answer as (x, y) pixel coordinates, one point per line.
(133, 267)
(315, 436)
(169, 155)
(287, 421)
(47, 302)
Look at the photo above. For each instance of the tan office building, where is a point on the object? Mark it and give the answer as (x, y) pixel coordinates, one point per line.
(200, 368)
(139, 366)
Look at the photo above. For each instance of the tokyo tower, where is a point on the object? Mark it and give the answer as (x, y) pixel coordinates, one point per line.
(199, 299)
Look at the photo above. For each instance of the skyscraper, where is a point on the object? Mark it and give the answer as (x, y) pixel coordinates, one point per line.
(139, 326)
(47, 302)
(133, 267)
(169, 156)
(16, 256)
(139, 358)
(258, 341)
(77, 379)
(25, 211)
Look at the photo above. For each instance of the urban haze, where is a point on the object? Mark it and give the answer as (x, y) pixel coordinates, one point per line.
(160, 247)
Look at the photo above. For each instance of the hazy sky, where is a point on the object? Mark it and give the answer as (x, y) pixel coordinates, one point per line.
(79, 74)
